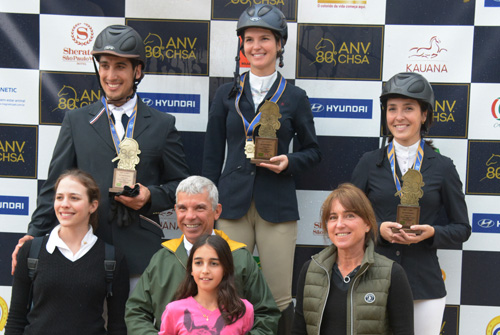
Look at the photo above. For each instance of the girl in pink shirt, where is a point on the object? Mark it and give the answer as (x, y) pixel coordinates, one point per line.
(208, 301)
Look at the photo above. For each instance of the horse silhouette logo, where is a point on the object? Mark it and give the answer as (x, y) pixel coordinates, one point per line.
(432, 51)
(492, 171)
(327, 56)
(67, 98)
(154, 46)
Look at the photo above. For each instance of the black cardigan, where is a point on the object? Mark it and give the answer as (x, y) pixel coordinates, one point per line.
(68, 296)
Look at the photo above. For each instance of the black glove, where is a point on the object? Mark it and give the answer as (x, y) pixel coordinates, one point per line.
(124, 215)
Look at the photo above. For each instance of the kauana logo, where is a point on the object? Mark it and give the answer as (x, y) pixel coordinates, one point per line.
(82, 35)
(432, 51)
(168, 220)
(250, 2)
(422, 54)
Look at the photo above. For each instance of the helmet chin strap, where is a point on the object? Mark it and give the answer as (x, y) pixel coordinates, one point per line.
(109, 101)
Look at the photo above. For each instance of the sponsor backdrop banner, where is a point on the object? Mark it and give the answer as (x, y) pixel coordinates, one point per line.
(339, 51)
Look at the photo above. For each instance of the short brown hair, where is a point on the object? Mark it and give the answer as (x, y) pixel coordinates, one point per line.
(353, 200)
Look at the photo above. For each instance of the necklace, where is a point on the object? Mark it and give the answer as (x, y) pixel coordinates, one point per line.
(206, 316)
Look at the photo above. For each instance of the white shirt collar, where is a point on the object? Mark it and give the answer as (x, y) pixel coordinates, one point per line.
(54, 241)
(127, 107)
(260, 86)
(405, 155)
(398, 146)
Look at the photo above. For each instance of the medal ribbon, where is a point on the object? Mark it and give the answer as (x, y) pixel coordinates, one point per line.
(129, 132)
(249, 127)
(417, 164)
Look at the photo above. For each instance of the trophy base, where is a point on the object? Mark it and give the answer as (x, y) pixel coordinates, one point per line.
(258, 161)
(265, 149)
(115, 189)
(407, 230)
(408, 216)
(122, 177)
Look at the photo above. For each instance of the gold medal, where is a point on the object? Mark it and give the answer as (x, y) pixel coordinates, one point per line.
(249, 149)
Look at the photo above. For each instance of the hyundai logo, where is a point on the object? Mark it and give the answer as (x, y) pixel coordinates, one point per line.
(147, 101)
(317, 108)
(486, 223)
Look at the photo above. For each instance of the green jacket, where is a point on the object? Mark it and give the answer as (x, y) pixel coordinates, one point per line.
(159, 282)
(366, 297)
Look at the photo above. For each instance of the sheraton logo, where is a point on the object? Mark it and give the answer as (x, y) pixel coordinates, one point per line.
(82, 34)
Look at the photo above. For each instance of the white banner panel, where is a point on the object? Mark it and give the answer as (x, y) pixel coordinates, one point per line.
(487, 15)
(339, 104)
(17, 203)
(185, 9)
(66, 41)
(25, 6)
(439, 53)
(46, 143)
(484, 120)
(479, 320)
(185, 97)
(19, 96)
(309, 230)
(451, 268)
(456, 150)
(488, 238)
(347, 12)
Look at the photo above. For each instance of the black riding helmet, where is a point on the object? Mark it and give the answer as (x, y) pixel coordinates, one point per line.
(263, 16)
(409, 85)
(121, 41)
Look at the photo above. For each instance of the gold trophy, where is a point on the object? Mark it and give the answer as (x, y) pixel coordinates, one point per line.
(408, 213)
(125, 173)
(266, 144)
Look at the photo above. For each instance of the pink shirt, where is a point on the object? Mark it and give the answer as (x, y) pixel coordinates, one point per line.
(188, 317)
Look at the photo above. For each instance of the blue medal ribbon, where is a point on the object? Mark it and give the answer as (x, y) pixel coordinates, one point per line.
(129, 132)
(417, 164)
(249, 127)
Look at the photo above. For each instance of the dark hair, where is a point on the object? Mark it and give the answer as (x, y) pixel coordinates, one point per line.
(353, 200)
(90, 185)
(230, 305)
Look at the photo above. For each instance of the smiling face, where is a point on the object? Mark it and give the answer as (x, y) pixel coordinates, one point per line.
(207, 270)
(404, 119)
(117, 77)
(346, 229)
(72, 205)
(195, 215)
(261, 49)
